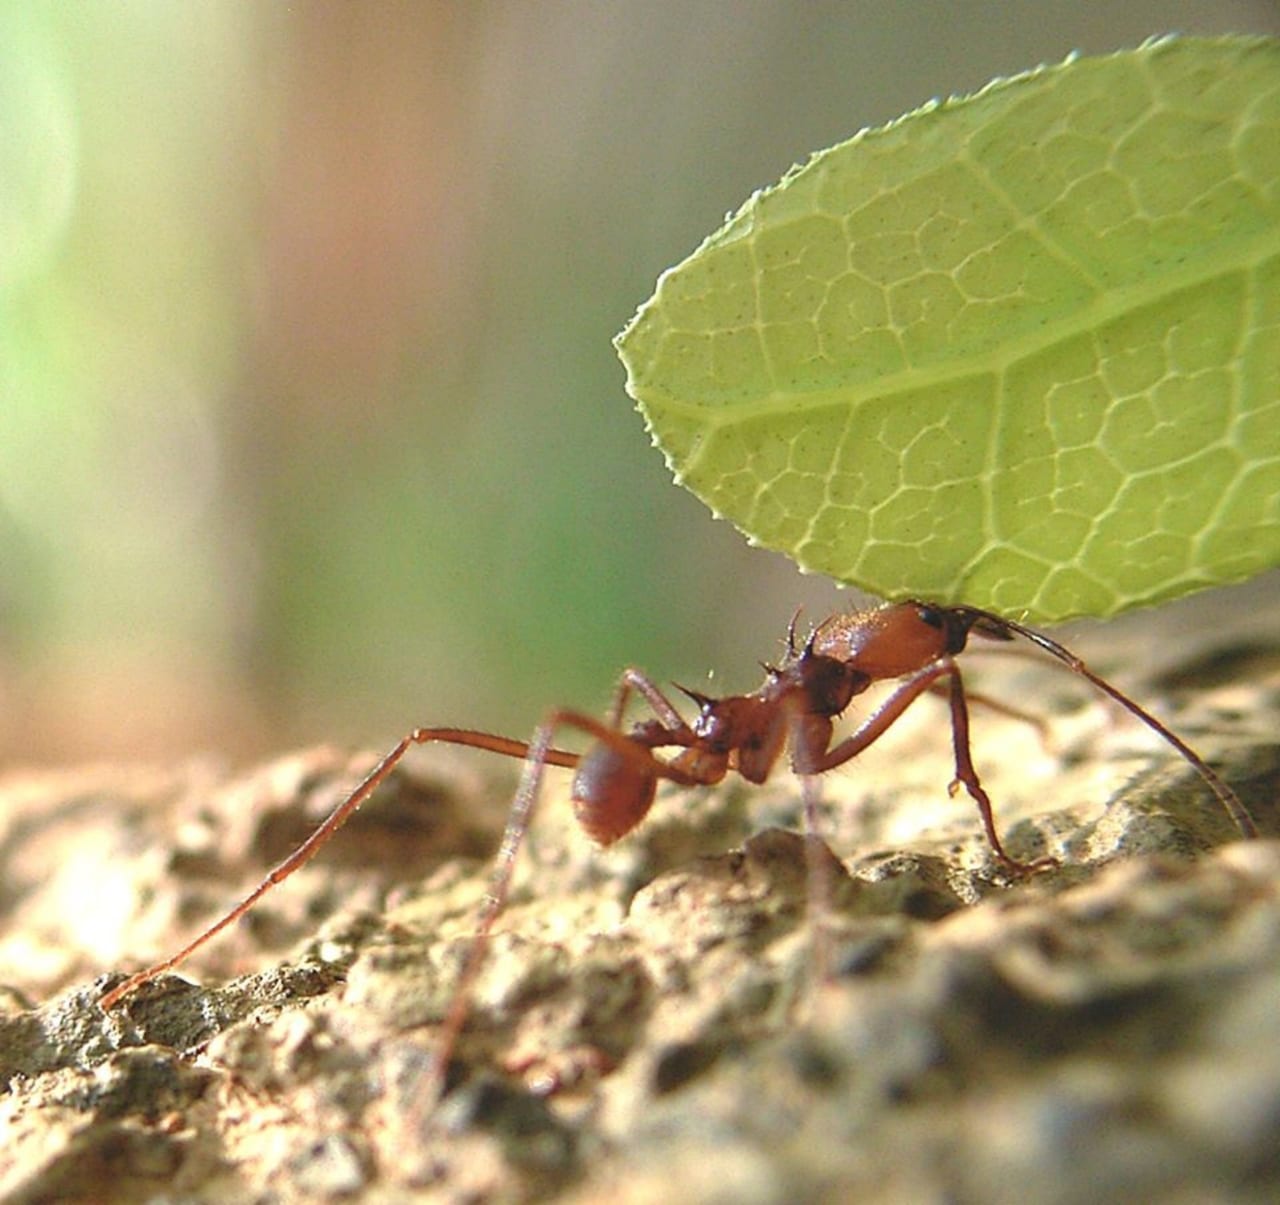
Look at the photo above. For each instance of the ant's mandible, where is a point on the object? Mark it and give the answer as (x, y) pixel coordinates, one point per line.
(616, 778)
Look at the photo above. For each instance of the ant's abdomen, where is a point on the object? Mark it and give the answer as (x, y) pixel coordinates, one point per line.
(612, 793)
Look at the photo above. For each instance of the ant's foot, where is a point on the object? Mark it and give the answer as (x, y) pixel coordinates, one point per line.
(1026, 869)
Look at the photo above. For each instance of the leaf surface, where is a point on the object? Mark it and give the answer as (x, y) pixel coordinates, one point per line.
(1019, 350)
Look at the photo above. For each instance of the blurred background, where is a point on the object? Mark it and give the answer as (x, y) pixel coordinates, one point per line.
(310, 426)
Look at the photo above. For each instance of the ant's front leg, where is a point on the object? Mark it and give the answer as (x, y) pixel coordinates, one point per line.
(891, 710)
(967, 776)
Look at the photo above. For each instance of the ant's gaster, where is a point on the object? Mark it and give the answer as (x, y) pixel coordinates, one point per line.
(617, 777)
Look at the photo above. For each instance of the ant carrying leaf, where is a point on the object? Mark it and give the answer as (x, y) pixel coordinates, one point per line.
(615, 781)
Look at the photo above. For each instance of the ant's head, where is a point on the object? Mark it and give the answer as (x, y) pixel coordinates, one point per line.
(961, 621)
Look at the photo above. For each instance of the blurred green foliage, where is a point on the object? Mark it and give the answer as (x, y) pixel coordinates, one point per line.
(310, 426)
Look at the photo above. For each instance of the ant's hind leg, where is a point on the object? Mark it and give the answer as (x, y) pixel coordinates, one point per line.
(632, 679)
(329, 826)
(298, 858)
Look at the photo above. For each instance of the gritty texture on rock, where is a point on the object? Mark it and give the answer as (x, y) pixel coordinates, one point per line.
(645, 1023)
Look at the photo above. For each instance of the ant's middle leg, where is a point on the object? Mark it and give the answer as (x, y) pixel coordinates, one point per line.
(643, 771)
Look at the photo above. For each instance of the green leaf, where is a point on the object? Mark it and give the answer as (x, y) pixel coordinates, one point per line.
(1019, 350)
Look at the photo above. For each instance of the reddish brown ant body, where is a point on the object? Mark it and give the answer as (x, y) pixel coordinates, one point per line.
(796, 706)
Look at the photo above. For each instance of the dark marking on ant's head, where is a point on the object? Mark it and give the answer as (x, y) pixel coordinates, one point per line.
(935, 617)
(957, 623)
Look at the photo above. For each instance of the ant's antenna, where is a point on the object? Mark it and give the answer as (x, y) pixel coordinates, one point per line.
(1226, 796)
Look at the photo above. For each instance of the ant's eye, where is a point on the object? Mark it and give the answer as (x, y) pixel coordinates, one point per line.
(930, 615)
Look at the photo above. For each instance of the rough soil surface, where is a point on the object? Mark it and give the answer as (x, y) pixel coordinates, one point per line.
(645, 1027)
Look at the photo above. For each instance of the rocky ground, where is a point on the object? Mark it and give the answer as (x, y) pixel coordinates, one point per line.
(646, 1027)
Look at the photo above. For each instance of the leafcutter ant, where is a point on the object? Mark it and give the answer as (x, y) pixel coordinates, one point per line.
(616, 778)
